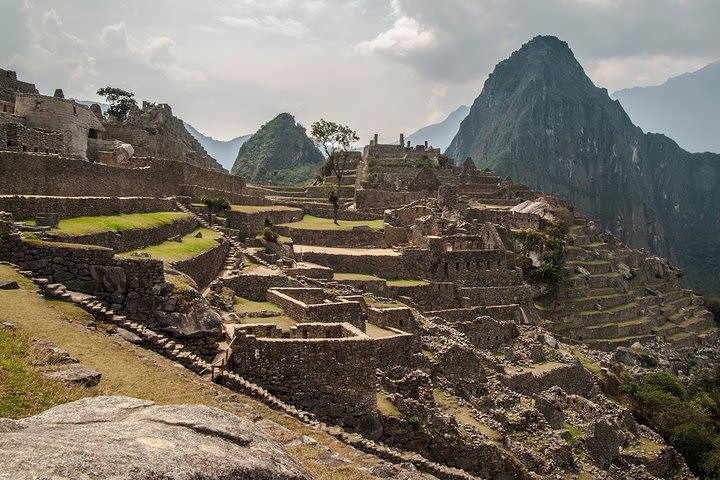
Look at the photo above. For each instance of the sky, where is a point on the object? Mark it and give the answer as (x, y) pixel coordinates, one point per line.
(379, 66)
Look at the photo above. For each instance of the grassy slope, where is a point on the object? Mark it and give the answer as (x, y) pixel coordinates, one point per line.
(310, 222)
(117, 223)
(133, 371)
(171, 251)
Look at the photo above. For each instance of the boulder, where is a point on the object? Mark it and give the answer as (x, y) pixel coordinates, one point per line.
(604, 442)
(75, 373)
(11, 285)
(625, 271)
(113, 279)
(127, 438)
(198, 320)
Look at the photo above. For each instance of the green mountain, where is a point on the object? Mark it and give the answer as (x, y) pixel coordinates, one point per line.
(279, 153)
(541, 120)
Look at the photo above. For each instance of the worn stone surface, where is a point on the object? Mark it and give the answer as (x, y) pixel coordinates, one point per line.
(127, 438)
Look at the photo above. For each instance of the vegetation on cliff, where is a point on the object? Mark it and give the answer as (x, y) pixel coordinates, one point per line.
(541, 120)
(280, 153)
(685, 412)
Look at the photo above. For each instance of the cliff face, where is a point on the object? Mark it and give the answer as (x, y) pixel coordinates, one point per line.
(279, 153)
(542, 121)
(155, 132)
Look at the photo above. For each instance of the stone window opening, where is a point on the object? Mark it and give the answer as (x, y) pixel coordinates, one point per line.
(47, 150)
(257, 353)
(445, 268)
(335, 354)
(457, 266)
(24, 148)
(94, 133)
(9, 143)
(37, 104)
(467, 265)
(74, 110)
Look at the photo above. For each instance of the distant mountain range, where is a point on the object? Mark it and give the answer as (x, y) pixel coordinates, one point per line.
(686, 108)
(439, 135)
(541, 120)
(224, 151)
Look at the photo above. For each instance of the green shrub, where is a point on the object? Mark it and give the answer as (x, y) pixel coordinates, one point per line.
(269, 235)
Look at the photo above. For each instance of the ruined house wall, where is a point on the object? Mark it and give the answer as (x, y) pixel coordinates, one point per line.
(255, 287)
(10, 86)
(510, 219)
(436, 295)
(574, 379)
(400, 318)
(296, 304)
(18, 138)
(61, 115)
(498, 312)
(250, 224)
(486, 332)
(32, 174)
(204, 268)
(333, 378)
(398, 349)
(198, 191)
(26, 207)
(517, 294)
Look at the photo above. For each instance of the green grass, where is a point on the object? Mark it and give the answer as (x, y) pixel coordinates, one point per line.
(340, 276)
(171, 251)
(574, 433)
(407, 282)
(23, 391)
(244, 306)
(386, 407)
(117, 223)
(310, 222)
(376, 331)
(263, 208)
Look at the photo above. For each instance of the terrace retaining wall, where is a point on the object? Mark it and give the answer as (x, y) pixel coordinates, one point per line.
(204, 268)
(25, 207)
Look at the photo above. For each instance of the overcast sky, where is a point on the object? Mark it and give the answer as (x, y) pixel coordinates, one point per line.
(386, 66)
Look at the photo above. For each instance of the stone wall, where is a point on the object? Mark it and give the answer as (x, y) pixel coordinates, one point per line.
(510, 313)
(32, 174)
(327, 212)
(383, 199)
(357, 237)
(251, 223)
(398, 349)
(486, 332)
(509, 218)
(204, 268)
(76, 122)
(255, 287)
(312, 305)
(25, 207)
(126, 240)
(198, 191)
(400, 318)
(134, 287)
(10, 86)
(436, 295)
(574, 379)
(18, 138)
(518, 294)
(331, 377)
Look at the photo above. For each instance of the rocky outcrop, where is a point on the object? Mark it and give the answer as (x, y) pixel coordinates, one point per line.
(541, 120)
(127, 438)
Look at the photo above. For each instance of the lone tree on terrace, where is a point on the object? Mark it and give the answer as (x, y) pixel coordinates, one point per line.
(120, 102)
(215, 206)
(336, 141)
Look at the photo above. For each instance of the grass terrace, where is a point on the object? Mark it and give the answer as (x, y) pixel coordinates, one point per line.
(171, 251)
(407, 282)
(376, 331)
(310, 222)
(117, 223)
(340, 276)
(262, 208)
(243, 306)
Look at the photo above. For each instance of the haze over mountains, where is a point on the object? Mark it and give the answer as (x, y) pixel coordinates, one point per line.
(541, 120)
(686, 108)
(439, 135)
(224, 151)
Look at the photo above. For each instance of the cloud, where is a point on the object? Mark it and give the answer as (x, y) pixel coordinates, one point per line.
(268, 23)
(642, 70)
(466, 38)
(157, 53)
(406, 35)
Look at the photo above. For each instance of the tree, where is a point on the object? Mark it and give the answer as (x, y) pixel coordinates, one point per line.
(336, 141)
(215, 206)
(120, 102)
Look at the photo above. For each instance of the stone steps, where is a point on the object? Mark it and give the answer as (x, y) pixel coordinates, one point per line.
(604, 301)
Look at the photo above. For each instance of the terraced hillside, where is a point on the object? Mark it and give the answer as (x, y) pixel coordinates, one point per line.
(613, 296)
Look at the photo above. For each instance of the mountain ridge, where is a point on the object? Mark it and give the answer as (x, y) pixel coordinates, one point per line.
(440, 134)
(541, 120)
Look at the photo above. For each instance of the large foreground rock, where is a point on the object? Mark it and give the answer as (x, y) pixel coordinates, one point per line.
(127, 438)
